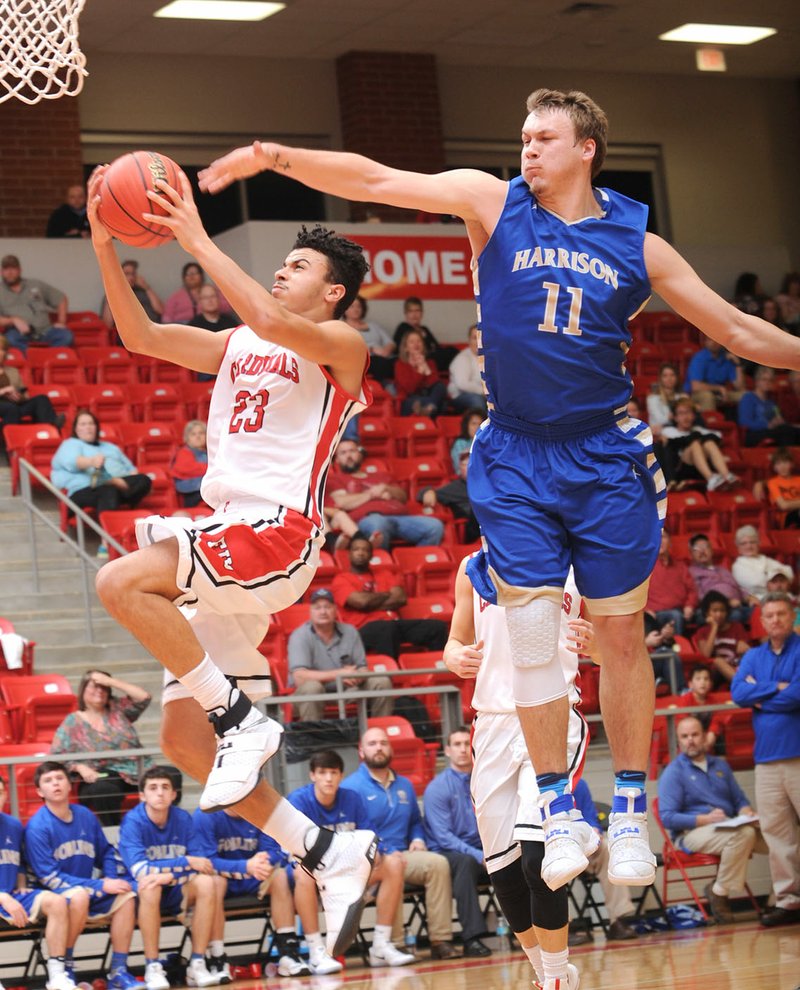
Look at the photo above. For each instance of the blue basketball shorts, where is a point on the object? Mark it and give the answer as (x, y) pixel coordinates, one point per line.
(30, 901)
(243, 888)
(595, 501)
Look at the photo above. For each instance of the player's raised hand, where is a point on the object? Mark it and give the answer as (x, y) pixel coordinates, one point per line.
(100, 233)
(464, 660)
(239, 164)
(181, 217)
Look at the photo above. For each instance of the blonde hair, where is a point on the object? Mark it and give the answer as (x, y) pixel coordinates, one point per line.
(589, 121)
(190, 426)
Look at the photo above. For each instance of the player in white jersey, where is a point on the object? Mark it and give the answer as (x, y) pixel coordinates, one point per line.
(503, 782)
(198, 596)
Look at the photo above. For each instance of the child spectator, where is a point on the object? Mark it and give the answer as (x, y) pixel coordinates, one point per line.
(470, 422)
(783, 489)
(696, 695)
(188, 467)
(722, 641)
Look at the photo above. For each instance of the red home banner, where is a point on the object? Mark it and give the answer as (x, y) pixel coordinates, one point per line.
(413, 265)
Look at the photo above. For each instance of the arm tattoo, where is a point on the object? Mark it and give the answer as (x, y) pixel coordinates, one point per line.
(277, 163)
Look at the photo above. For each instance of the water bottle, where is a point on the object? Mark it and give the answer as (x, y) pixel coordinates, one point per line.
(503, 940)
(410, 941)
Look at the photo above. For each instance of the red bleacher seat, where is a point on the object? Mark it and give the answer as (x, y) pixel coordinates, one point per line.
(61, 397)
(162, 497)
(787, 545)
(150, 434)
(108, 403)
(196, 397)
(29, 800)
(110, 366)
(690, 512)
(6, 626)
(292, 617)
(155, 402)
(326, 571)
(735, 509)
(16, 359)
(422, 471)
(35, 443)
(54, 366)
(166, 373)
(37, 704)
(427, 570)
(121, 526)
(415, 435)
(428, 607)
(375, 436)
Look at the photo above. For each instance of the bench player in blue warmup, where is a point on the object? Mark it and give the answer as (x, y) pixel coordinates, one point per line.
(559, 474)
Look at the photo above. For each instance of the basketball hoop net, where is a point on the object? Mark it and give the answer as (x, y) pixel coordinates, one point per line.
(39, 54)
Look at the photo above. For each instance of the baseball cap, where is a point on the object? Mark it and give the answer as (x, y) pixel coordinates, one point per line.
(774, 573)
(10, 261)
(321, 594)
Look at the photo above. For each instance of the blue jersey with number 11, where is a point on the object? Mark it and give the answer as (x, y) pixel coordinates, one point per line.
(554, 300)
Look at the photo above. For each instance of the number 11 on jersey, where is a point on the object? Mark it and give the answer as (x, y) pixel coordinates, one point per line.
(576, 297)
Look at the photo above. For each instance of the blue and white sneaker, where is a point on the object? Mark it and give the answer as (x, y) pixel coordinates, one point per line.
(121, 979)
(569, 840)
(631, 862)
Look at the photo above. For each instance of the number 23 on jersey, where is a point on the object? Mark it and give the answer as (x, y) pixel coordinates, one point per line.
(248, 411)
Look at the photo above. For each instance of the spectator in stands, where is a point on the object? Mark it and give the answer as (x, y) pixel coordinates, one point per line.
(22, 905)
(322, 650)
(672, 594)
(454, 496)
(331, 806)
(470, 422)
(380, 345)
(789, 401)
(714, 377)
(697, 792)
(394, 814)
(25, 306)
(189, 465)
(340, 527)
(413, 314)
(768, 681)
(68, 853)
(722, 641)
(95, 473)
(210, 314)
(663, 397)
(659, 638)
(752, 569)
(691, 451)
(154, 841)
(69, 219)
(708, 576)
(103, 722)
(451, 829)
(696, 696)
(147, 296)
(788, 300)
(771, 312)
(248, 863)
(617, 899)
(760, 417)
(748, 293)
(465, 387)
(184, 303)
(783, 488)
(419, 388)
(15, 402)
(376, 502)
(369, 599)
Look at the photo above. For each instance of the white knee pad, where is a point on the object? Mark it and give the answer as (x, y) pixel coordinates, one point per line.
(534, 686)
(533, 631)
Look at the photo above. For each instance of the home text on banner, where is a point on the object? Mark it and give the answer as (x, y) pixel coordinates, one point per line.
(412, 265)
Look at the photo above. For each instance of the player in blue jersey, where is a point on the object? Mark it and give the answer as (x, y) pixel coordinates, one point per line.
(341, 810)
(248, 863)
(559, 474)
(154, 841)
(64, 846)
(21, 905)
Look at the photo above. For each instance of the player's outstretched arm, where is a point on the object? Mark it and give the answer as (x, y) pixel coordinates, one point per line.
(462, 655)
(467, 193)
(747, 336)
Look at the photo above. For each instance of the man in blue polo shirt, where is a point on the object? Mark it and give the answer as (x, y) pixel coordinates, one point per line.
(768, 681)
(713, 376)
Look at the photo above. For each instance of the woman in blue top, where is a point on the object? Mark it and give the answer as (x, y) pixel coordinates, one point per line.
(94, 472)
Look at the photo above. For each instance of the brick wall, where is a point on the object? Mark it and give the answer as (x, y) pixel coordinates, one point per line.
(40, 155)
(389, 105)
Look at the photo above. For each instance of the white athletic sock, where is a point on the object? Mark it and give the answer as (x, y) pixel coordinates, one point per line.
(55, 967)
(316, 945)
(534, 954)
(209, 686)
(291, 829)
(381, 935)
(554, 964)
(216, 948)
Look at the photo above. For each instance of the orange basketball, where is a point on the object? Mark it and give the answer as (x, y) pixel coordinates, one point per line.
(123, 197)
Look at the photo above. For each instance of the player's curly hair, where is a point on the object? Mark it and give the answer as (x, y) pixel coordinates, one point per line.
(587, 118)
(347, 265)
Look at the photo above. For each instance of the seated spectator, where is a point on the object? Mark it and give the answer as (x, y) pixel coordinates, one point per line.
(659, 638)
(380, 345)
(154, 841)
(248, 863)
(323, 649)
(771, 312)
(752, 569)
(691, 451)
(465, 387)
(147, 296)
(696, 793)
(15, 403)
(210, 314)
(470, 423)
(394, 814)
(25, 307)
(451, 829)
(633, 409)
(184, 303)
(723, 642)
(714, 377)
(672, 594)
(789, 401)
(369, 601)
(95, 473)
(748, 293)
(376, 502)
(662, 399)
(69, 219)
(696, 695)
(22, 904)
(413, 314)
(783, 489)
(339, 809)
(68, 853)
(760, 417)
(103, 722)
(419, 388)
(788, 300)
(189, 465)
(454, 495)
(708, 576)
